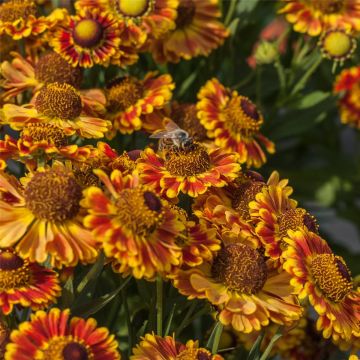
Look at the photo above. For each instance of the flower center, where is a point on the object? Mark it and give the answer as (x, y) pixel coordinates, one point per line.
(186, 13)
(52, 68)
(59, 100)
(194, 354)
(53, 195)
(45, 132)
(88, 33)
(332, 276)
(242, 117)
(185, 116)
(139, 210)
(293, 218)
(337, 44)
(17, 9)
(122, 93)
(328, 6)
(131, 8)
(66, 348)
(241, 268)
(188, 162)
(14, 271)
(123, 163)
(84, 174)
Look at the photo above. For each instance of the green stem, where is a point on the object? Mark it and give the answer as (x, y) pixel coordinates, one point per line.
(230, 12)
(281, 74)
(186, 318)
(217, 337)
(159, 305)
(128, 321)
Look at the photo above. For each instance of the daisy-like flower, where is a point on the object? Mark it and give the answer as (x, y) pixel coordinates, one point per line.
(54, 335)
(43, 218)
(233, 121)
(129, 100)
(347, 85)
(188, 170)
(136, 228)
(142, 18)
(198, 31)
(313, 17)
(18, 19)
(246, 289)
(92, 37)
(154, 347)
(60, 105)
(325, 279)
(26, 284)
(21, 74)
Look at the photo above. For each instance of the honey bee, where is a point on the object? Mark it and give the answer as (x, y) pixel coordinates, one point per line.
(173, 138)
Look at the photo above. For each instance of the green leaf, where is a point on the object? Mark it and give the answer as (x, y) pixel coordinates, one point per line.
(310, 100)
(215, 336)
(246, 6)
(267, 351)
(255, 352)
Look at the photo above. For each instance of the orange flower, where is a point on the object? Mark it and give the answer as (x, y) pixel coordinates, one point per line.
(136, 228)
(153, 347)
(198, 31)
(62, 106)
(18, 19)
(323, 277)
(348, 86)
(25, 284)
(54, 335)
(313, 17)
(191, 171)
(43, 218)
(92, 37)
(233, 122)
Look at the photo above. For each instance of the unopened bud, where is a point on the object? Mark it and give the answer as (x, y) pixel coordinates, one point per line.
(266, 53)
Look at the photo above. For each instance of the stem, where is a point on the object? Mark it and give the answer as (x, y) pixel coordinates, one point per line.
(159, 304)
(230, 12)
(186, 318)
(217, 337)
(128, 321)
(281, 74)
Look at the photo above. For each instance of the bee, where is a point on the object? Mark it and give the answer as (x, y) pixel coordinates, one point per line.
(173, 138)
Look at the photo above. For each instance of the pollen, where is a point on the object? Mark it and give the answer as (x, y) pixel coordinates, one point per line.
(186, 13)
(240, 268)
(131, 9)
(59, 101)
(88, 33)
(122, 93)
(124, 163)
(14, 271)
(328, 6)
(52, 68)
(17, 9)
(53, 195)
(242, 117)
(194, 354)
(50, 133)
(332, 276)
(66, 348)
(84, 174)
(188, 162)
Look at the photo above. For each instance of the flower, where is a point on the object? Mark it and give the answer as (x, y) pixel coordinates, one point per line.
(54, 335)
(61, 105)
(136, 228)
(43, 218)
(130, 99)
(347, 85)
(325, 279)
(198, 31)
(24, 283)
(18, 19)
(314, 17)
(92, 37)
(21, 74)
(246, 289)
(191, 171)
(233, 121)
(154, 347)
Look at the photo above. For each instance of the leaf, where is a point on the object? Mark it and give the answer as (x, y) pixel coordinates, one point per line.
(310, 100)
(255, 352)
(246, 6)
(214, 335)
(267, 351)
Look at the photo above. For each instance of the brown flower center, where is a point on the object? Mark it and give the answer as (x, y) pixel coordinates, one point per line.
(185, 116)
(17, 9)
(52, 68)
(186, 13)
(194, 354)
(88, 33)
(45, 132)
(133, 9)
(293, 218)
(189, 162)
(59, 100)
(139, 210)
(66, 348)
(328, 6)
(240, 268)
(242, 117)
(332, 276)
(53, 195)
(14, 271)
(84, 174)
(123, 163)
(122, 93)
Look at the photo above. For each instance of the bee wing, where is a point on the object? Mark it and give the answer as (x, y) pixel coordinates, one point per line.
(162, 135)
(171, 125)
